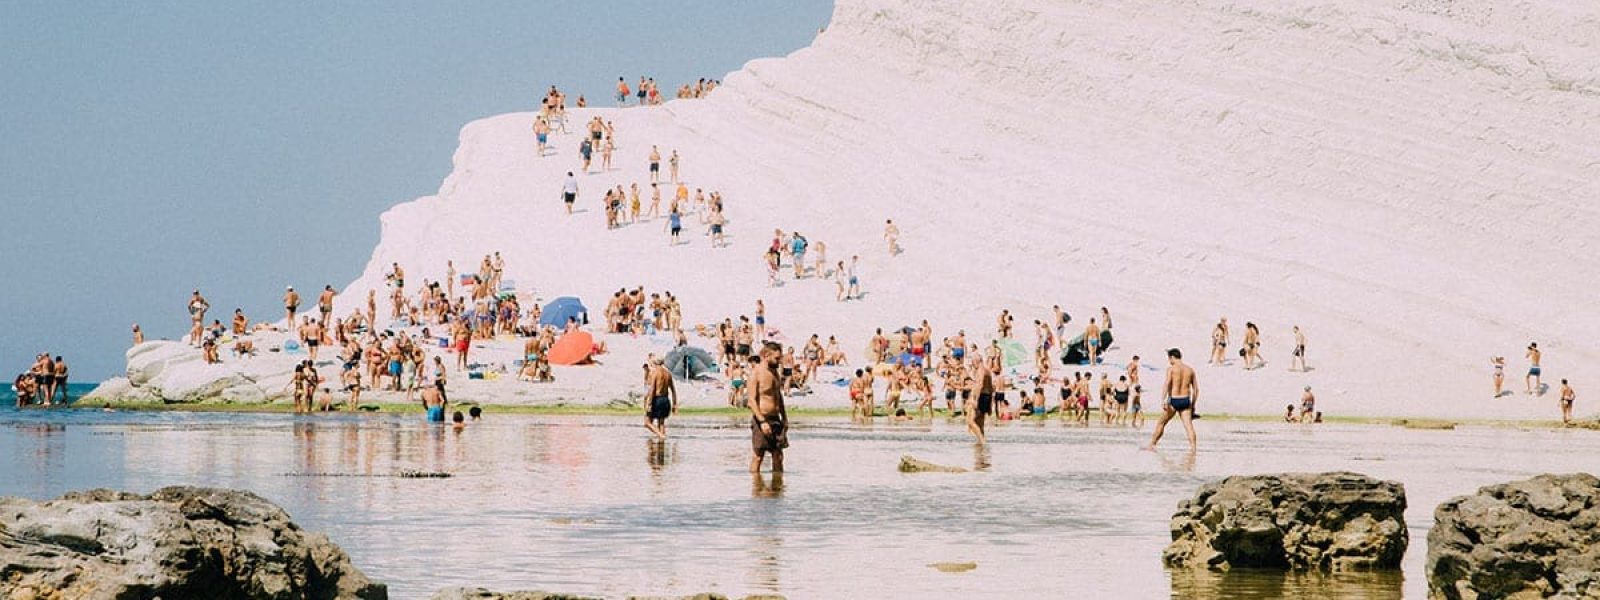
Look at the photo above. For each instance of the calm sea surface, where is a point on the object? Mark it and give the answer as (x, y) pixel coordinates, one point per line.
(589, 505)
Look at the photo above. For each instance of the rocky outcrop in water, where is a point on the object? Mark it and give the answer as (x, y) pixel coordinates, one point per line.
(1537, 538)
(1323, 521)
(911, 464)
(483, 594)
(179, 542)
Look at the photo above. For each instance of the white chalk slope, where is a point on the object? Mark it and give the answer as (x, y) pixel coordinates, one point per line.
(1414, 183)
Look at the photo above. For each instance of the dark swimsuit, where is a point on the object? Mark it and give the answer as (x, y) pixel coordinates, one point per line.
(1180, 403)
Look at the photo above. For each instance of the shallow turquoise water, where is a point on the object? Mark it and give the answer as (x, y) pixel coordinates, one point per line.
(590, 505)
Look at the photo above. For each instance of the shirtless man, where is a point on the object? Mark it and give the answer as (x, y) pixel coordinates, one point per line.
(1219, 343)
(981, 402)
(325, 304)
(663, 398)
(1003, 323)
(1060, 323)
(878, 346)
(672, 163)
(311, 334)
(855, 282)
(541, 132)
(718, 222)
(1567, 396)
(1091, 341)
(291, 303)
(241, 325)
(761, 320)
(433, 403)
(1532, 380)
(769, 417)
(891, 234)
(58, 384)
(920, 345)
(857, 396)
(1180, 393)
(1308, 406)
(655, 165)
(1299, 351)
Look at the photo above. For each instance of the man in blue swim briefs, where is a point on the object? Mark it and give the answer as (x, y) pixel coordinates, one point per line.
(1182, 392)
(433, 402)
(662, 398)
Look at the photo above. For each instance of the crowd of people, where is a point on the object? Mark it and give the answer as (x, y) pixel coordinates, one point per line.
(977, 382)
(44, 383)
(647, 93)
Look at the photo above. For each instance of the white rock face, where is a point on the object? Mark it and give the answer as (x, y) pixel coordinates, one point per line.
(1414, 183)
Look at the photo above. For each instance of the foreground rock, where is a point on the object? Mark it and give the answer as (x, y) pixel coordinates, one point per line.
(1325, 521)
(483, 594)
(910, 464)
(179, 542)
(1526, 539)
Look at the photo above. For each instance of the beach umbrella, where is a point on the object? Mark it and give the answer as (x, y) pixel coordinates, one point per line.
(689, 362)
(572, 349)
(1013, 353)
(559, 310)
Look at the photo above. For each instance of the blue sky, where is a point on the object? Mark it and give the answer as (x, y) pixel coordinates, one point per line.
(153, 147)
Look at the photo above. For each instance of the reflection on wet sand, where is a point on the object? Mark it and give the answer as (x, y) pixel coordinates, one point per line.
(766, 542)
(566, 499)
(1252, 584)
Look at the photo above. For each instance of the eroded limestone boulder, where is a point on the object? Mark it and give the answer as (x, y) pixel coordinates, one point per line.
(179, 542)
(1537, 538)
(1296, 521)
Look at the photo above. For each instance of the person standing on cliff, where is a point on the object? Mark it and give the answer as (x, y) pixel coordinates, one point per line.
(891, 234)
(541, 133)
(769, 418)
(198, 307)
(655, 165)
(1181, 393)
(325, 303)
(291, 303)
